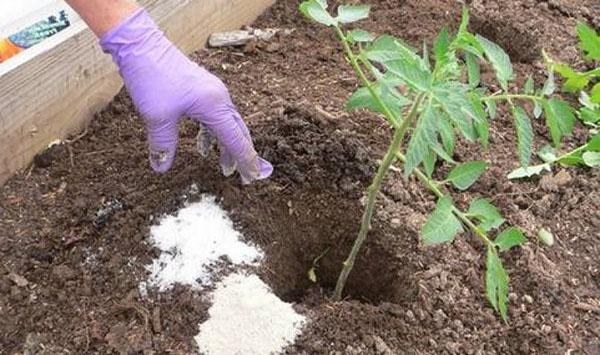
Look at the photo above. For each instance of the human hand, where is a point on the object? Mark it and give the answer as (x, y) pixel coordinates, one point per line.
(165, 85)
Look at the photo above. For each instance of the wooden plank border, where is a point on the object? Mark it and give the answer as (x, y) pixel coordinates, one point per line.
(56, 92)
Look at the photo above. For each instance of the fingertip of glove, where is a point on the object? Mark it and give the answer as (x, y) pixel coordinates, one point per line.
(161, 162)
(264, 171)
(265, 168)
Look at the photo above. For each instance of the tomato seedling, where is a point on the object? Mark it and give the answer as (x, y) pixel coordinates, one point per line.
(439, 100)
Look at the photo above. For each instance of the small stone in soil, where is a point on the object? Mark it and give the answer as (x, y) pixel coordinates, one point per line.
(552, 183)
(381, 347)
(18, 279)
(63, 272)
(392, 308)
(105, 212)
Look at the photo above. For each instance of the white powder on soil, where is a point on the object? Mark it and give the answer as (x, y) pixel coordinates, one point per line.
(192, 242)
(246, 318)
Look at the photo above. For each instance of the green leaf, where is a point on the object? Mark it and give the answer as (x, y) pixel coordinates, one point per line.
(529, 86)
(594, 144)
(589, 116)
(465, 40)
(572, 160)
(550, 85)
(441, 48)
(360, 36)
(465, 175)
(413, 74)
(480, 119)
(559, 119)
(464, 20)
(589, 41)
(496, 283)
(439, 150)
(537, 109)
(453, 99)
(422, 138)
(592, 159)
(491, 108)
(429, 162)
(565, 115)
(389, 48)
(447, 134)
(595, 94)
(547, 154)
(499, 59)
(362, 99)
(553, 126)
(441, 226)
(524, 135)
(425, 55)
(316, 10)
(487, 214)
(529, 171)
(401, 61)
(473, 70)
(511, 237)
(586, 100)
(574, 81)
(352, 13)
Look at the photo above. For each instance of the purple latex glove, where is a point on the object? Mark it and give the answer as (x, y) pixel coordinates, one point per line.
(165, 85)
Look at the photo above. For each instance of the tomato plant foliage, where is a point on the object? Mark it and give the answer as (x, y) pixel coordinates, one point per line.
(561, 118)
(431, 98)
(587, 85)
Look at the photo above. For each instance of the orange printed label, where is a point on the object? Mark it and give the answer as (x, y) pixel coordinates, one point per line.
(8, 49)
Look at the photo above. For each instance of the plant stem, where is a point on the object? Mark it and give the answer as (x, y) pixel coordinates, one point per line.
(373, 191)
(391, 155)
(434, 188)
(573, 152)
(512, 96)
(365, 81)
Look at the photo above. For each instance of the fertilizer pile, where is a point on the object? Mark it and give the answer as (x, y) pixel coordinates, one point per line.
(246, 317)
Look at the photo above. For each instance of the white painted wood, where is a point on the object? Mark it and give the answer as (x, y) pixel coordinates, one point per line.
(12, 10)
(239, 37)
(53, 90)
(17, 15)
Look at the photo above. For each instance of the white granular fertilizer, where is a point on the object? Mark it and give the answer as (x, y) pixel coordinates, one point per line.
(246, 318)
(192, 241)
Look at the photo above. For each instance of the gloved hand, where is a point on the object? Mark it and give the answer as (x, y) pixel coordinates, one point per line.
(165, 85)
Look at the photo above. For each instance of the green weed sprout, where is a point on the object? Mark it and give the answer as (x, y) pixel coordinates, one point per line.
(440, 100)
(587, 85)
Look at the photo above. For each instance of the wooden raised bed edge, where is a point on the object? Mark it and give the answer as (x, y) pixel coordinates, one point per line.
(56, 92)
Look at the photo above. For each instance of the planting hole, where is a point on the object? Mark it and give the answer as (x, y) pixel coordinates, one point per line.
(325, 226)
(520, 41)
(325, 170)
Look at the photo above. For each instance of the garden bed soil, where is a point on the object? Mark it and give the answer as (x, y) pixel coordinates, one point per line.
(69, 278)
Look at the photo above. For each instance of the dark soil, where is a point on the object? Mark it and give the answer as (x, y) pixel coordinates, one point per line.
(69, 275)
